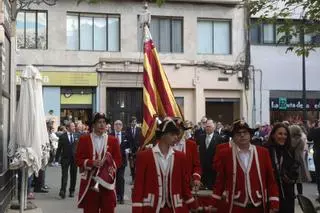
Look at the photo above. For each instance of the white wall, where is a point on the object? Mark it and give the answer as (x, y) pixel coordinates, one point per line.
(282, 71)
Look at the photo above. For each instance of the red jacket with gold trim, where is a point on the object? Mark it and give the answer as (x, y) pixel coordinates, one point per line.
(234, 186)
(85, 157)
(147, 193)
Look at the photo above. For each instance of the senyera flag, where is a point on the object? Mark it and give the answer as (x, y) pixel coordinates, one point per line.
(158, 98)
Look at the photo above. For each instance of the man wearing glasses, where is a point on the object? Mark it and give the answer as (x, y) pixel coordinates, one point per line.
(245, 180)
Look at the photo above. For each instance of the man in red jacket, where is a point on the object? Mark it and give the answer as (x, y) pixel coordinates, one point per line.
(245, 180)
(161, 184)
(189, 147)
(91, 152)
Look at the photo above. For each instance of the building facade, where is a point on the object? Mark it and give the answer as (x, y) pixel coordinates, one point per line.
(279, 92)
(201, 45)
(7, 102)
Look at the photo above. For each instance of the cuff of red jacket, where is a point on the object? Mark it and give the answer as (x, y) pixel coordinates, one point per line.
(274, 202)
(191, 203)
(196, 176)
(88, 164)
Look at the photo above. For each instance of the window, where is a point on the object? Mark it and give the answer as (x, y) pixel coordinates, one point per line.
(32, 30)
(268, 33)
(214, 37)
(93, 32)
(167, 34)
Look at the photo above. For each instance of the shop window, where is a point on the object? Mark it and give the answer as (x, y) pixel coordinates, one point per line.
(32, 30)
(93, 32)
(214, 37)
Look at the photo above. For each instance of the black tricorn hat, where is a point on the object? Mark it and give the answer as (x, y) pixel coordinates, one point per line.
(183, 125)
(167, 126)
(100, 115)
(241, 124)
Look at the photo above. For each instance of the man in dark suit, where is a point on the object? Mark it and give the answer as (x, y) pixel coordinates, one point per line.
(134, 136)
(124, 145)
(66, 149)
(208, 143)
(199, 133)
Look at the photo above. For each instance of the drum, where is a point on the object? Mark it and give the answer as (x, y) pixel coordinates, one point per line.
(204, 200)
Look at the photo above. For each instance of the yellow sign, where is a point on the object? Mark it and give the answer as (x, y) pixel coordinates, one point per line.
(66, 78)
(76, 99)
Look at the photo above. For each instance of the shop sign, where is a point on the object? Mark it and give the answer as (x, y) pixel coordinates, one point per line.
(65, 78)
(295, 104)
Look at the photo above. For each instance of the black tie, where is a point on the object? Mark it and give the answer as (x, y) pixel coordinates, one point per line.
(71, 138)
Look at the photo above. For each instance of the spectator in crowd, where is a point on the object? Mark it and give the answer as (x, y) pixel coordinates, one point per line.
(314, 135)
(207, 149)
(67, 149)
(284, 165)
(134, 138)
(54, 140)
(124, 145)
(299, 150)
(201, 131)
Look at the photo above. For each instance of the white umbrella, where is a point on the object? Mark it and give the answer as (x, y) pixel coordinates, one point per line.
(29, 142)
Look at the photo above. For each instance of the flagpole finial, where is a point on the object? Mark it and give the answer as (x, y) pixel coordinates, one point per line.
(145, 16)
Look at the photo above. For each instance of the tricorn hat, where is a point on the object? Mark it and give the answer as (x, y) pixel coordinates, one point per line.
(168, 125)
(183, 125)
(241, 124)
(99, 115)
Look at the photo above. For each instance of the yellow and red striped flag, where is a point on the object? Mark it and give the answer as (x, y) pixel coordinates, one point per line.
(158, 98)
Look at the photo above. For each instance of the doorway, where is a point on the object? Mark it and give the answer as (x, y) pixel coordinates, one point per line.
(123, 103)
(223, 110)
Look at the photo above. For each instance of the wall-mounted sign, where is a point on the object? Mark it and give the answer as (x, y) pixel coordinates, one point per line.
(293, 104)
(66, 78)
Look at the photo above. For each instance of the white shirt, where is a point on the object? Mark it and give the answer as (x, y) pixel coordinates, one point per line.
(99, 142)
(163, 160)
(208, 139)
(165, 165)
(244, 156)
(180, 146)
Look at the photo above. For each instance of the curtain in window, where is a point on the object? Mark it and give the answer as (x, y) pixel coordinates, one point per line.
(165, 37)
(30, 30)
(177, 36)
(221, 37)
(86, 33)
(72, 32)
(100, 34)
(205, 37)
(42, 31)
(268, 33)
(113, 34)
(155, 32)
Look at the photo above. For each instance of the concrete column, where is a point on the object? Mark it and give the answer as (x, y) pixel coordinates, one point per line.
(103, 98)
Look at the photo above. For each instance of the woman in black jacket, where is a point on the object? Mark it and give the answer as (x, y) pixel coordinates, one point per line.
(284, 165)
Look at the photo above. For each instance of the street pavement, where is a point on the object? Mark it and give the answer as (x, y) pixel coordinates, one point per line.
(52, 203)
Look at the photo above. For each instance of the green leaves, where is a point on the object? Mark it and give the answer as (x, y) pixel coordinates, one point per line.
(293, 17)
